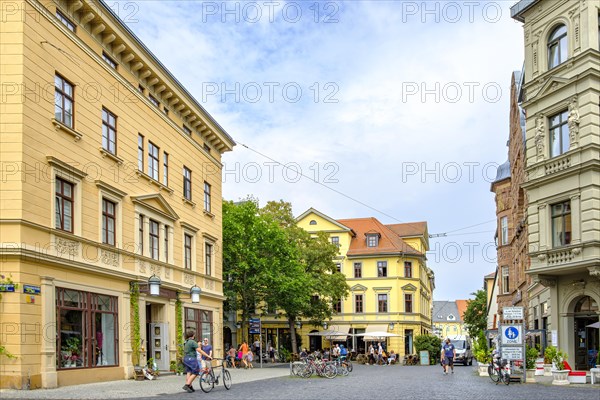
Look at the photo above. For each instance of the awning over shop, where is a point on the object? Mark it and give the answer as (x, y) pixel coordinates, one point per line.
(376, 332)
(333, 334)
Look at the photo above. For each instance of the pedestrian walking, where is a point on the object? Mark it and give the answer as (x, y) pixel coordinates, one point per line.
(448, 353)
(231, 356)
(205, 354)
(190, 360)
(272, 353)
(244, 350)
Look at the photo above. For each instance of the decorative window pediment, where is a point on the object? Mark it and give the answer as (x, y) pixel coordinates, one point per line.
(156, 203)
(358, 288)
(409, 288)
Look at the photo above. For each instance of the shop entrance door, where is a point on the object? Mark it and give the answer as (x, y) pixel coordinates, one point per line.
(159, 345)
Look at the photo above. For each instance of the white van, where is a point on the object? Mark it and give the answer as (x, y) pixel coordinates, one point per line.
(464, 354)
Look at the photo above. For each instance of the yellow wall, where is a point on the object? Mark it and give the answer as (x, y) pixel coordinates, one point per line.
(34, 48)
(395, 285)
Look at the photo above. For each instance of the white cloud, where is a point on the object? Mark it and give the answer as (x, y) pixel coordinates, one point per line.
(372, 55)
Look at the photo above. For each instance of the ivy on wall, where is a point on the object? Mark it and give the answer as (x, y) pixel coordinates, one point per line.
(135, 326)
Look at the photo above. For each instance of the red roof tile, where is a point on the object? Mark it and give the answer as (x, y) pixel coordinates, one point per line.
(389, 241)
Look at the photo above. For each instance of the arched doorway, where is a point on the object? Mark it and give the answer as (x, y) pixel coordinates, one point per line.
(315, 342)
(586, 338)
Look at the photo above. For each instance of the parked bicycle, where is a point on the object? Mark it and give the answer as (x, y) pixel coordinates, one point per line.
(499, 370)
(314, 365)
(208, 379)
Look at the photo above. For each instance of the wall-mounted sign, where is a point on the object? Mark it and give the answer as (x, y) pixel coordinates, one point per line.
(512, 313)
(7, 287)
(30, 289)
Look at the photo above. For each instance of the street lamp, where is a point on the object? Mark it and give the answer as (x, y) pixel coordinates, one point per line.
(195, 293)
(391, 326)
(325, 325)
(298, 324)
(154, 285)
(238, 325)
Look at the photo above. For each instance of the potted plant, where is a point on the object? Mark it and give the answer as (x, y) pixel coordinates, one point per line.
(549, 354)
(559, 373)
(530, 357)
(70, 351)
(173, 366)
(483, 359)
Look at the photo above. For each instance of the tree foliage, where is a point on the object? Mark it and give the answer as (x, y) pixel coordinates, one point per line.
(310, 283)
(255, 249)
(430, 343)
(475, 316)
(269, 261)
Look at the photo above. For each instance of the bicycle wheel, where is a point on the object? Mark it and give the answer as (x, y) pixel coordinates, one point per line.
(227, 380)
(207, 382)
(306, 371)
(329, 372)
(505, 377)
(493, 373)
(349, 365)
(342, 370)
(297, 367)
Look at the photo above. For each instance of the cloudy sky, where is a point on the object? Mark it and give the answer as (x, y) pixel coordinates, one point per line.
(391, 109)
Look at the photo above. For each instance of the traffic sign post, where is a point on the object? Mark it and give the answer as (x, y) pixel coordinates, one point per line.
(512, 332)
(256, 329)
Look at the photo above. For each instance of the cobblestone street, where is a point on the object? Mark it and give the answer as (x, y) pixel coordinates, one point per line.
(365, 382)
(397, 382)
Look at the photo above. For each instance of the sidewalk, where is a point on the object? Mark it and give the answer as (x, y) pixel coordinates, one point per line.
(168, 384)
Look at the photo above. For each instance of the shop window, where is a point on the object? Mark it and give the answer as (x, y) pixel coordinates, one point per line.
(87, 334)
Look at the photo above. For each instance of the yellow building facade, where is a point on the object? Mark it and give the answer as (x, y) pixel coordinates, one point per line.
(111, 175)
(391, 287)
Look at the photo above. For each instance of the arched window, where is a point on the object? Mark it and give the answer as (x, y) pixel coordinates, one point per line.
(557, 47)
(586, 305)
(312, 222)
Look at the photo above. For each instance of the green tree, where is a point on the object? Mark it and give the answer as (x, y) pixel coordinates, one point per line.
(430, 343)
(309, 283)
(254, 249)
(475, 316)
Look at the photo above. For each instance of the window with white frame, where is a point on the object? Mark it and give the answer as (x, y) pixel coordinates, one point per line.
(64, 100)
(153, 241)
(559, 134)
(208, 253)
(65, 20)
(153, 160)
(64, 205)
(358, 304)
(207, 196)
(382, 302)
(188, 241)
(372, 240)
(140, 152)
(504, 231)
(558, 47)
(109, 219)
(561, 224)
(505, 280)
(109, 131)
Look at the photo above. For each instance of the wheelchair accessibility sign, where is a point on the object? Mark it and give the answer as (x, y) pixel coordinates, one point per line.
(512, 334)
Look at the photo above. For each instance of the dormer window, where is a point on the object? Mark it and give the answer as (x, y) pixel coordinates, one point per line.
(451, 317)
(372, 240)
